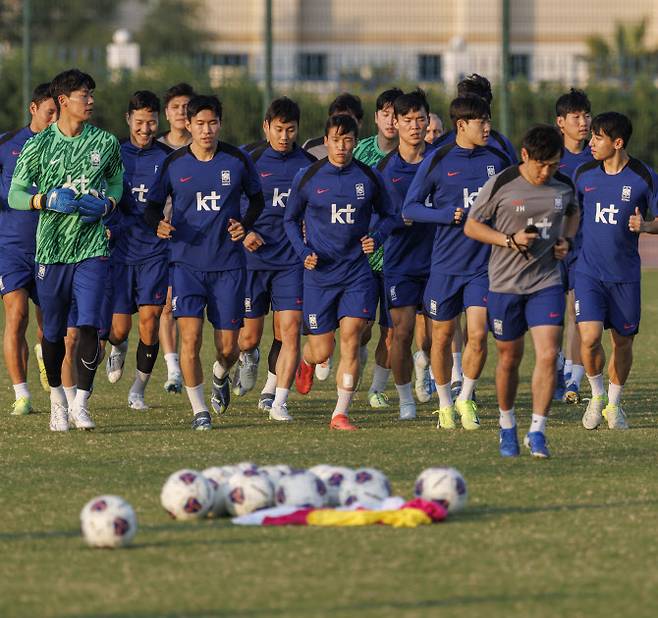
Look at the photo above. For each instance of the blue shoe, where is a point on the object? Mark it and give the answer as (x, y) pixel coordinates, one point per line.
(567, 378)
(536, 442)
(509, 443)
(202, 421)
(560, 387)
(221, 394)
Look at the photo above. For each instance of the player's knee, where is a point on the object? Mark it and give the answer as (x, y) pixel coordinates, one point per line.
(248, 340)
(16, 320)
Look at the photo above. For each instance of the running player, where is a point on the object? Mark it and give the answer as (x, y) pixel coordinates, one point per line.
(79, 176)
(17, 248)
(529, 215)
(205, 182)
(434, 129)
(335, 199)
(616, 193)
(451, 179)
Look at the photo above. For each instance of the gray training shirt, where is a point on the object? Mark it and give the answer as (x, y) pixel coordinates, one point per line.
(509, 203)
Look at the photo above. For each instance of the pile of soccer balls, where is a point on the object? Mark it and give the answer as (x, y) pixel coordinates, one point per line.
(109, 521)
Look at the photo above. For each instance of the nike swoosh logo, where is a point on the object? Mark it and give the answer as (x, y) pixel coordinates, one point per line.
(15, 152)
(453, 173)
(588, 189)
(265, 174)
(186, 178)
(396, 179)
(53, 161)
(553, 314)
(320, 191)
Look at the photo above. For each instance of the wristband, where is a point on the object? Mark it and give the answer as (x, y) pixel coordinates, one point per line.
(508, 240)
(38, 201)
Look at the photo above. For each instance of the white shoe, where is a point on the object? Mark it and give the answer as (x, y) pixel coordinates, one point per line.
(59, 417)
(174, 383)
(115, 362)
(615, 416)
(407, 411)
(593, 416)
(420, 385)
(248, 368)
(323, 370)
(280, 413)
(136, 401)
(80, 418)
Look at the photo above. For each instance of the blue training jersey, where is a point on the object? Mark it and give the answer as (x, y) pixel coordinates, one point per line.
(609, 250)
(452, 178)
(135, 241)
(18, 228)
(276, 171)
(336, 205)
(205, 195)
(496, 140)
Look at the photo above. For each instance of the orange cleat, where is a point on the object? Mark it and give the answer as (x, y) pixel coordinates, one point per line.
(304, 377)
(342, 422)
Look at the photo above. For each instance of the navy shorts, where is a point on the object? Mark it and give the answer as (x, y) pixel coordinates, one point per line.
(17, 273)
(140, 284)
(446, 296)
(617, 305)
(59, 286)
(107, 305)
(380, 299)
(283, 290)
(405, 290)
(219, 293)
(511, 315)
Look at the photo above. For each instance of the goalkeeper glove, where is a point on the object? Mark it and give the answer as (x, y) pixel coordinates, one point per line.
(92, 208)
(61, 199)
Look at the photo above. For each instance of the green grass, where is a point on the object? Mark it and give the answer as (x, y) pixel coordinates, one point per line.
(571, 536)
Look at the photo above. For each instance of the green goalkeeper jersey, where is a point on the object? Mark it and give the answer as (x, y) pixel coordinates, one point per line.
(89, 161)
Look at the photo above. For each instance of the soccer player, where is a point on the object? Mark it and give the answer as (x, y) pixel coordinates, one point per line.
(335, 199)
(17, 248)
(78, 172)
(434, 128)
(529, 215)
(618, 196)
(408, 250)
(274, 271)
(205, 182)
(140, 260)
(574, 119)
(451, 179)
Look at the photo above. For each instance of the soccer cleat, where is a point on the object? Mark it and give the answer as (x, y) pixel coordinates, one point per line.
(455, 389)
(323, 370)
(265, 401)
(342, 423)
(407, 411)
(377, 400)
(202, 421)
(174, 383)
(59, 417)
(221, 394)
(446, 417)
(537, 443)
(21, 406)
(468, 413)
(136, 401)
(248, 370)
(115, 362)
(572, 393)
(43, 376)
(560, 387)
(421, 386)
(304, 377)
(237, 389)
(280, 413)
(593, 413)
(80, 418)
(615, 416)
(509, 443)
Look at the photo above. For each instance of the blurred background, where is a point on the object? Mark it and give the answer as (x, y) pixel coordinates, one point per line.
(311, 50)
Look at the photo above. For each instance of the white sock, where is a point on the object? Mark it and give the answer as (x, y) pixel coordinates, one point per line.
(21, 390)
(507, 419)
(457, 372)
(404, 393)
(270, 384)
(614, 393)
(445, 397)
(538, 423)
(343, 403)
(141, 380)
(420, 361)
(219, 371)
(596, 383)
(363, 356)
(379, 379)
(70, 392)
(197, 399)
(57, 395)
(81, 398)
(568, 364)
(173, 366)
(577, 373)
(281, 396)
(468, 386)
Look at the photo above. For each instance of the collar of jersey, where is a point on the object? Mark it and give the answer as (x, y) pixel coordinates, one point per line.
(61, 135)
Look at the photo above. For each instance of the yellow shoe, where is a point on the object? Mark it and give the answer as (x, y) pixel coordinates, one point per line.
(468, 412)
(43, 378)
(446, 417)
(21, 406)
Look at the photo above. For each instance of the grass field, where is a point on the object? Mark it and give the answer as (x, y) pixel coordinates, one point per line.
(571, 536)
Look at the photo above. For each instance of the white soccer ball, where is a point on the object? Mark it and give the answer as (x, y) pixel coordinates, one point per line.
(369, 488)
(246, 465)
(249, 491)
(187, 494)
(218, 477)
(302, 489)
(444, 485)
(333, 478)
(274, 473)
(108, 521)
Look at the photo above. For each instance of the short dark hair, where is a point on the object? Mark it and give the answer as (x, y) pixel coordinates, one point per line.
(283, 108)
(614, 125)
(387, 98)
(344, 123)
(178, 90)
(41, 93)
(411, 102)
(347, 103)
(571, 102)
(199, 102)
(542, 142)
(468, 107)
(475, 84)
(66, 82)
(144, 99)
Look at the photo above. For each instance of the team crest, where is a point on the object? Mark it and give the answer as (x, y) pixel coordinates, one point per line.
(226, 178)
(498, 327)
(41, 272)
(2, 284)
(433, 307)
(174, 302)
(558, 202)
(312, 320)
(491, 170)
(360, 191)
(247, 304)
(95, 158)
(626, 194)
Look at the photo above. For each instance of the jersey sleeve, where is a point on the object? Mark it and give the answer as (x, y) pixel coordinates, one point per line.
(250, 181)
(114, 171)
(25, 175)
(294, 216)
(422, 187)
(389, 218)
(485, 204)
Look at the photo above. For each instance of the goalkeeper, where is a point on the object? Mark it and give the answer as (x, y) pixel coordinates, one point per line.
(78, 173)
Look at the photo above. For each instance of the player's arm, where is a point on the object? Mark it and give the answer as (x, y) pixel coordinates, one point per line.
(647, 224)
(389, 217)
(294, 216)
(154, 211)
(253, 191)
